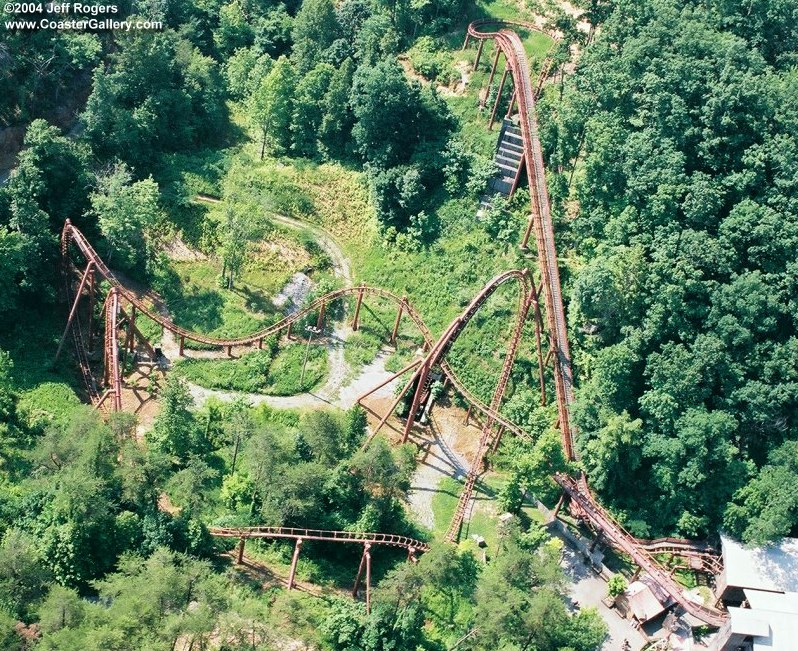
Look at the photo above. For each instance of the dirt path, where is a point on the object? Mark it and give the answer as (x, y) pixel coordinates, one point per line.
(438, 458)
(339, 369)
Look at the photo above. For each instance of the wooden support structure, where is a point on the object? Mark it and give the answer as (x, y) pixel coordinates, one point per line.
(294, 559)
(320, 320)
(395, 330)
(182, 345)
(358, 303)
(229, 351)
(74, 310)
(498, 99)
(260, 342)
(479, 54)
(240, 551)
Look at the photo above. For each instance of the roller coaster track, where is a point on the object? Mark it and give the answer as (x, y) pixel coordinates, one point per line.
(356, 537)
(642, 554)
(71, 235)
(510, 44)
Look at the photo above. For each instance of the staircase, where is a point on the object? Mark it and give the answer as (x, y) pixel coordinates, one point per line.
(508, 157)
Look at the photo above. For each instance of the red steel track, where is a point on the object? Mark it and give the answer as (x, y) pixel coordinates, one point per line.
(510, 44)
(358, 537)
(642, 554)
(71, 235)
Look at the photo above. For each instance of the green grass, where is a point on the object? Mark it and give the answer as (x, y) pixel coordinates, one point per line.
(269, 372)
(361, 347)
(286, 370)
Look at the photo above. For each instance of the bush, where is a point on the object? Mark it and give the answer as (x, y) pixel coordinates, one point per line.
(617, 585)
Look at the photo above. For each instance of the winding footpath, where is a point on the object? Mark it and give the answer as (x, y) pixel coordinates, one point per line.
(333, 389)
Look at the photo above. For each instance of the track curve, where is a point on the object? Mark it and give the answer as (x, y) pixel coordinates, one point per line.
(72, 235)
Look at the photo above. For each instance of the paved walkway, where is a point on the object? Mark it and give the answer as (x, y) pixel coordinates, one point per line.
(588, 589)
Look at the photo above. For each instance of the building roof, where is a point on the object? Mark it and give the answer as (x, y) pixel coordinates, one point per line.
(772, 567)
(646, 598)
(772, 620)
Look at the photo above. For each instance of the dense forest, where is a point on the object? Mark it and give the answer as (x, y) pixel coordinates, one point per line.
(672, 154)
(683, 117)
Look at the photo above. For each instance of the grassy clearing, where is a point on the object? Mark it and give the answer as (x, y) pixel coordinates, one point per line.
(273, 372)
(484, 515)
(361, 348)
(192, 292)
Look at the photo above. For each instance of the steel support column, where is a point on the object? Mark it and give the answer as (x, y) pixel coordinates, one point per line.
(493, 68)
(320, 320)
(479, 54)
(512, 104)
(356, 319)
(240, 551)
(74, 309)
(294, 559)
(407, 368)
(513, 188)
(182, 345)
(411, 416)
(395, 330)
(131, 330)
(498, 99)
(91, 310)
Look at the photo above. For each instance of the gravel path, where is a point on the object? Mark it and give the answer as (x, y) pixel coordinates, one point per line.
(437, 459)
(339, 369)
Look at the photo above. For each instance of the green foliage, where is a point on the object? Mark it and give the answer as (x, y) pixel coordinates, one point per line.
(616, 585)
(175, 431)
(271, 107)
(766, 508)
(679, 313)
(315, 29)
(432, 62)
(127, 214)
(158, 94)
